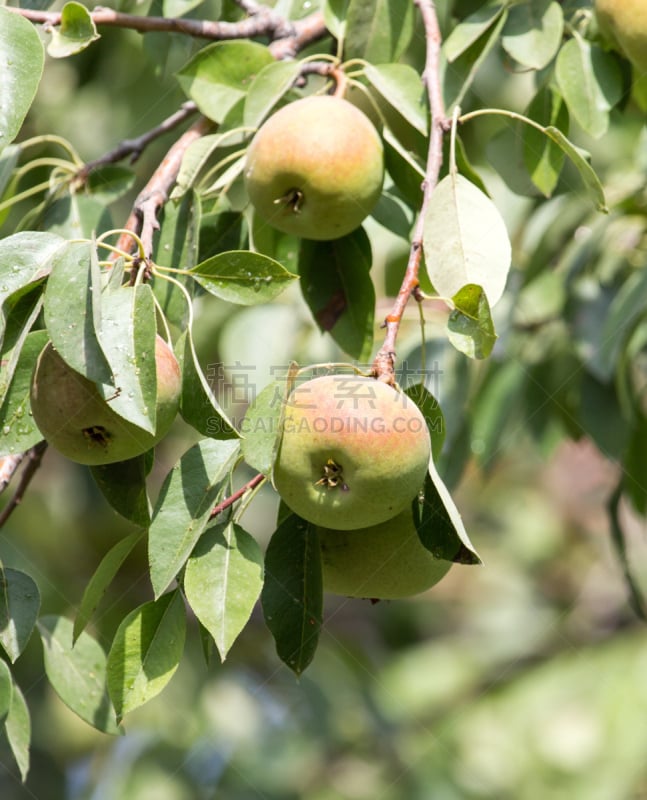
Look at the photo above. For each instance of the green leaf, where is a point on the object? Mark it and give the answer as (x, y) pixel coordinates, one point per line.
(337, 286)
(618, 538)
(74, 33)
(76, 216)
(127, 337)
(21, 67)
(178, 242)
(469, 327)
(533, 32)
(25, 258)
(543, 158)
(458, 76)
(439, 524)
(432, 413)
(185, 501)
(220, 74)
(18, 731)
(335, 12)
(102, 578)
(267, 88)
(590, 81)
(198, 405)
(378, 30)
(581, 161)
(18, 431)
(73, 310)
(465, 240)
(242, 276)
(401, 86)
(21, 312)
(6, 692)
(292, 596)
(222, 582)
(261, 427)
(77, 672)
(469, 30)
(19, 606)
(123, 484)
(145, 652)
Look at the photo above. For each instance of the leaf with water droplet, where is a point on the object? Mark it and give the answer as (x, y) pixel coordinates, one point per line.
(243, 277)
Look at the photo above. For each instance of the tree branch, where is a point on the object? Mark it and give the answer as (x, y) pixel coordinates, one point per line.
(33, 456)
(143, 217)
(383, 366)
(229, 501)
(135, 147)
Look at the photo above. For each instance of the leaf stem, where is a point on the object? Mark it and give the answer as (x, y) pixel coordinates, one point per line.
(229, 501)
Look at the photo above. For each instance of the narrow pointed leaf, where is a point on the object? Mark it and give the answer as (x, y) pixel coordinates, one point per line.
(261, 427)
(581, 161)
(292, 595)
(102, 578)
(432, 413)
(6, 692)
(378, 30)
(18, 731)
(198, 404)
(77, 672)
(18, 431)
(73, 310)
(19, 607)
(465, 240)
(542, 156)
(470, 30)
(21, 67)
(440, 526)
(402, 87)
(146, 651)
(128, 333)
(223, 581)
(469, 327)
(182, 511)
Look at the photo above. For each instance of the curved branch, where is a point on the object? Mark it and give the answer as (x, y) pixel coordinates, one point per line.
(33, 456)
(383, 366)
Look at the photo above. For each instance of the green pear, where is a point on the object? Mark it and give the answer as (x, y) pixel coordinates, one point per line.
(384, 561)
(625, 23)
(76, 420)
(354, 452)
(315, 168)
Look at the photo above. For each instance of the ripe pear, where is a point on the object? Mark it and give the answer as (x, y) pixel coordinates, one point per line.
(384, 561)
(625, 23)
(315, 168)
(76, 420)
(354, 452)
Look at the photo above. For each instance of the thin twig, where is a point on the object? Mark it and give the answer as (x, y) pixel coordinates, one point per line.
(266, 23)
(33, 456)
(229, 501)
(135, 147)
(8, 466)
(383, 366)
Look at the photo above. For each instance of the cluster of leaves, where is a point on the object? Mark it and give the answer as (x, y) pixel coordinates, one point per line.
(101, 314)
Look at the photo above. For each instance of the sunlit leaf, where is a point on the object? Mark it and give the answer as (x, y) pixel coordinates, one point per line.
(223, 580)
(77, 672)
(465, 240)
(74, 33)
(145, 652)
(21, 67)
(533, 32)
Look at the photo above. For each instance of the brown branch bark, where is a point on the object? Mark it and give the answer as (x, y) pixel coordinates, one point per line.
(264, 22)
(384, 363)
(229, 501)
(33, 456)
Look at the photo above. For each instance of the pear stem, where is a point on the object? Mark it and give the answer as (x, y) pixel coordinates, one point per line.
(384, 363)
